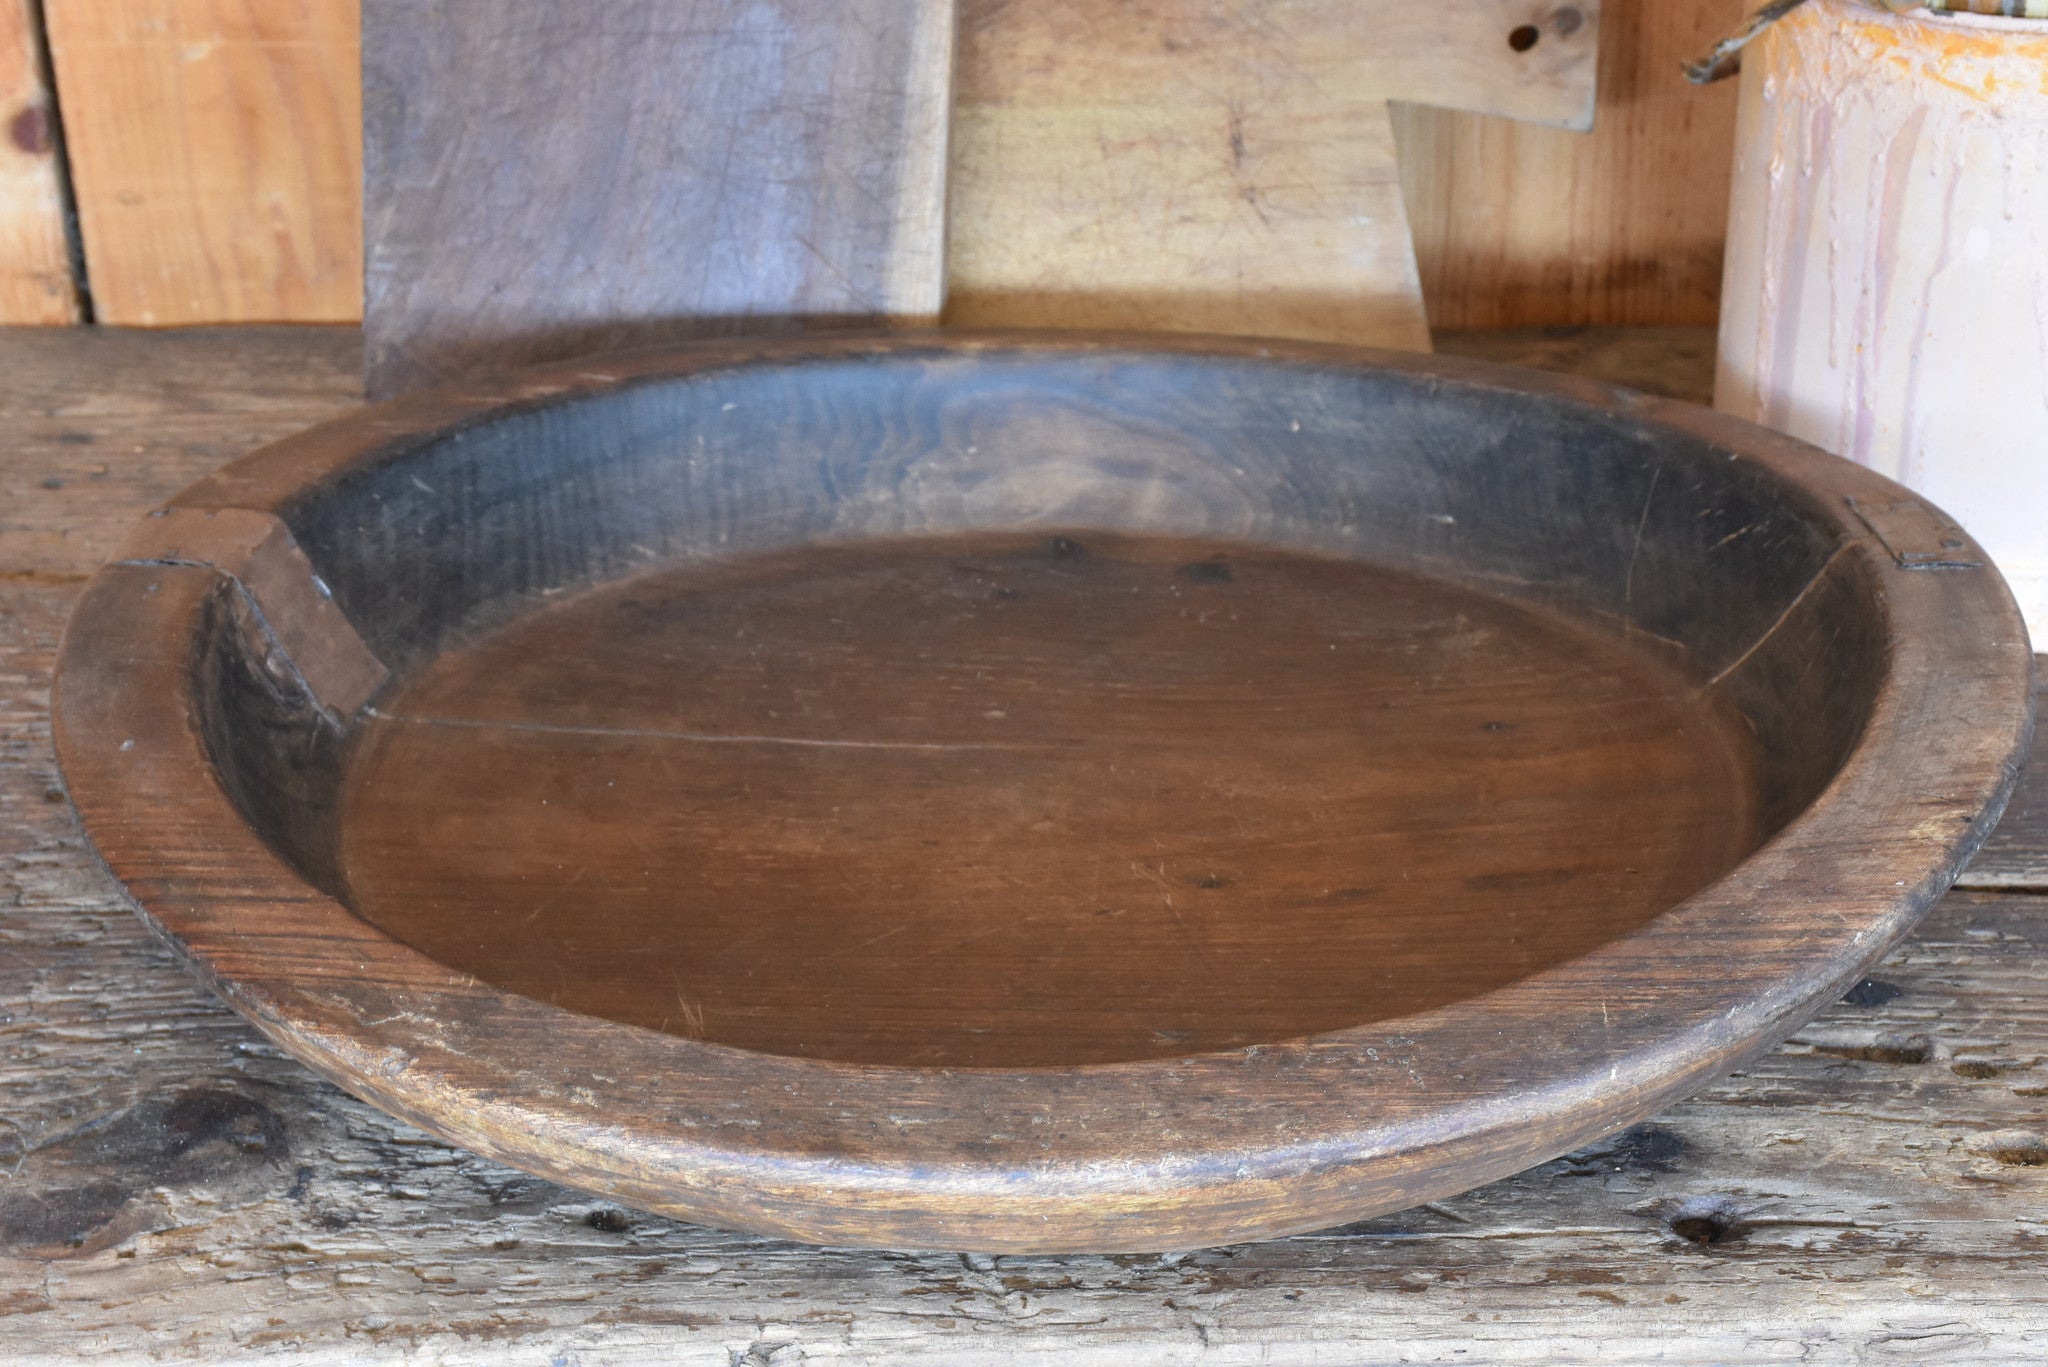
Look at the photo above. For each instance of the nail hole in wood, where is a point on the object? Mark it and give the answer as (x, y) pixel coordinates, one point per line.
(1709, 1221)
(1524, 38)
(609, 1220)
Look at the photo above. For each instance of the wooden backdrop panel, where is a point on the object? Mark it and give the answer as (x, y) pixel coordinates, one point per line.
(546, 180)
(1522, 226)
(1514, 225)
(35, 263)
(214, 155)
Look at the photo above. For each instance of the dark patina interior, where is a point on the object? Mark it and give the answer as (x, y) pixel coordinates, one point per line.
(1176, 476)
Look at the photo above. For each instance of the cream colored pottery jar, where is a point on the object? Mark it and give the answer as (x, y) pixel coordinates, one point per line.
(1886, 294)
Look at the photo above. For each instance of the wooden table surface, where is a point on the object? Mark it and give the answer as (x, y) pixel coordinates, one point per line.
(174, 1189)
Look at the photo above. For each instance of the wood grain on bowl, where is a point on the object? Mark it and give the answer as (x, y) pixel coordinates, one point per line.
(1740, 748)
(1033, 800)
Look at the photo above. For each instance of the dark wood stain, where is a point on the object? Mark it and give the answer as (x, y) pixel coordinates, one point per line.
(212, 1139)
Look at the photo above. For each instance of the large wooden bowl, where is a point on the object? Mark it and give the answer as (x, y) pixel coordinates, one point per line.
(1036, 793)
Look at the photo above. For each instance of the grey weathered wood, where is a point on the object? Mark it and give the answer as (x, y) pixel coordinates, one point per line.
(2016, 855)
(542, 180)
(1879, 1174)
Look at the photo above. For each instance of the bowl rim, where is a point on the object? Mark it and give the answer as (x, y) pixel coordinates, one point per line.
(1146, 1155)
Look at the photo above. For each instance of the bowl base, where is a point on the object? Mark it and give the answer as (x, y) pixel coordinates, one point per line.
(1015, 801)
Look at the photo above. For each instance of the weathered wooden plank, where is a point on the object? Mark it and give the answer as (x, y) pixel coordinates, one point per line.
(2016, 855)
(35, 261)
(106, 423)
(215, 156)
(1223, 168)
(1519, 226)
(1875, 1184)
(546, 180)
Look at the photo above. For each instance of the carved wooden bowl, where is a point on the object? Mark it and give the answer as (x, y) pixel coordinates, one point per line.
(1036, 793)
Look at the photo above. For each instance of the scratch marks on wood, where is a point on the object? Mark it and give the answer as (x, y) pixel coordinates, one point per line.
(1628, 581)
(688, 737)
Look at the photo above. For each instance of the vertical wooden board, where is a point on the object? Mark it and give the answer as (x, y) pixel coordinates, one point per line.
(215, 156)
(1227, 166)
(544, 180)
(1521, 226)
(1284, 223)
(35, 263)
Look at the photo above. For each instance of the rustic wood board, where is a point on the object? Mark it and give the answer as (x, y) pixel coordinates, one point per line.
(1223, 168)
(35, 261)
(215, 155)
(1873, 1181)
(108, 422)
(2016, 855)
(1517, 225)
(752, 167)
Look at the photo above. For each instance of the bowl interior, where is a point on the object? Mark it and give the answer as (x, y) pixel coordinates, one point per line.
(1036, 709)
